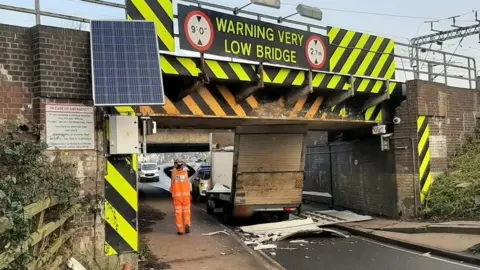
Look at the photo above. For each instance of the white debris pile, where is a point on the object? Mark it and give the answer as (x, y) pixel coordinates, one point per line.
(277, 231)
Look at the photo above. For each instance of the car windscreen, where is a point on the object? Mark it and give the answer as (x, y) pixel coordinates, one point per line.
(204, 174)
(149, 167)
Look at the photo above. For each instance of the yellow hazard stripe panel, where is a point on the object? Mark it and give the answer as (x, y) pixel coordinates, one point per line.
(121, 205)
(361, 54)
(374, 114)
(220, 70)
(424, 157)
(158, 11)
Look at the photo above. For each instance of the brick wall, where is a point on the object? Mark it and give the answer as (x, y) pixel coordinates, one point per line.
(452, 113)
(16, 69)
(62, 63)
(42, 65)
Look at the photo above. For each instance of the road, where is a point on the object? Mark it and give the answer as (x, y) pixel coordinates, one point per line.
(355, 253)
(319, 253)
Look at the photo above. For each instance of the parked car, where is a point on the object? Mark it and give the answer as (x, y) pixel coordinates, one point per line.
(149, 173)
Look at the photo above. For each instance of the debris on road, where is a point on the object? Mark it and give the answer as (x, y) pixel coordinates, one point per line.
(215, 233)
(75, 265)
(331, 217)
(299, 242)
(262, 246)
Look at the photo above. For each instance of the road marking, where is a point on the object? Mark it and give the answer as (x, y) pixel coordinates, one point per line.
(417, 253)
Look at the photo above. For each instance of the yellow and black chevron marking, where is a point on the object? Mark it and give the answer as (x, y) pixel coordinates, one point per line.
(121, 203)
(173, 65)
(158, 11)
(220, 101)
(361, 54)
(230, 71)
(307, 107)
(222, 70)
(374, 114)
(425, 175)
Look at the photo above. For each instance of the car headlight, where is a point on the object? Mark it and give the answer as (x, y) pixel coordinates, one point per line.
(202, 185)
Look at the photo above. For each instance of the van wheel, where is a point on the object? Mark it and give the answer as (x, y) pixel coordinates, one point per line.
(228, 218)
(208, 208)
(283, 216)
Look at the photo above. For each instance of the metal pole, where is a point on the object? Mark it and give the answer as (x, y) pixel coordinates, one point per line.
(144, 135)
(469, 75)
(431, 77)
(445, 68)
(417, 64)
(37, 12)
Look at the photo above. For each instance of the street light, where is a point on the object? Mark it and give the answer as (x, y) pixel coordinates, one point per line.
(305, 11)
(265, 3)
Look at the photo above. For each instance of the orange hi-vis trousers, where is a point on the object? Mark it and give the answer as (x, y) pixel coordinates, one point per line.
(182, 213)
(181, 199)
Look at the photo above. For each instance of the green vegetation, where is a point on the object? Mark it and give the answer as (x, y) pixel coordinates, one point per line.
(28, 175)
(452, 195)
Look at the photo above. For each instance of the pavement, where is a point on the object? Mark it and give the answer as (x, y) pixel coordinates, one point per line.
(194, 251)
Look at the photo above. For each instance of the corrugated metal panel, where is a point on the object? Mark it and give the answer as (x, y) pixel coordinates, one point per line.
(270, 152)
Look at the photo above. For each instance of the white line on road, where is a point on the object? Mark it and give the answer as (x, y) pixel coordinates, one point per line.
(418, 254)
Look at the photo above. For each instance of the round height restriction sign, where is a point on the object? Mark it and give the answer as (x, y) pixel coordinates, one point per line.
(199, 30)
(316, 52)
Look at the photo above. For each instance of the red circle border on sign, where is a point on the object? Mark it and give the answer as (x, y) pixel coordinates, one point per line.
(324, 55)
(185, 28)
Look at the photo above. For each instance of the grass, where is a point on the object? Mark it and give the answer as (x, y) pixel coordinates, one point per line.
(452, 195)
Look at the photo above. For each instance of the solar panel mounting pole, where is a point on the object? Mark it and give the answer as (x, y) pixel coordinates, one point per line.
(144, 136)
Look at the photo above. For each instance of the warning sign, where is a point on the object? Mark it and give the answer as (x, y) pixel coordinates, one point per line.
(199, 30)
(316, 52)
(223, 34)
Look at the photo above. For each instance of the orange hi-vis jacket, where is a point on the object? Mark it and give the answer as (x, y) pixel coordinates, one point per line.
(180, 184)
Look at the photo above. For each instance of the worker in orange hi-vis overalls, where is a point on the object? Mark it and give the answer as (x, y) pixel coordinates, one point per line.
(180, 190)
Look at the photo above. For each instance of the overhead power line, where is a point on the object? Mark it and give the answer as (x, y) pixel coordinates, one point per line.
(388, 14)
(442, 36)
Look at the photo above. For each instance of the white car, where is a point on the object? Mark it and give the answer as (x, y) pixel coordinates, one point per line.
(149, 173)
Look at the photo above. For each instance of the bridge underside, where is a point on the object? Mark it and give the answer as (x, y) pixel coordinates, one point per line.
(277, 95)
(231, 123)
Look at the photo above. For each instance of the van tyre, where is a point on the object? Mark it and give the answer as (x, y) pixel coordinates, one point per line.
(208, 208)
(283, 216)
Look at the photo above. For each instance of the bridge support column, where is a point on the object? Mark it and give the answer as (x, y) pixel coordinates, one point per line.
(121, 194)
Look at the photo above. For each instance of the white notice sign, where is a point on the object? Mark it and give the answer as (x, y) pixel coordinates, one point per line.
(438, 146)
(70, 127)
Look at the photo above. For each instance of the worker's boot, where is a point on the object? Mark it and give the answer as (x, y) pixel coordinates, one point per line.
(180, 233)
(187, 229)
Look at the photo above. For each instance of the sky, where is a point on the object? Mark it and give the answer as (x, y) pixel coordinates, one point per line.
(396, 19)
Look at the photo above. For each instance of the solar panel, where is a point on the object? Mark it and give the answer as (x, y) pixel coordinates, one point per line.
(125, 63)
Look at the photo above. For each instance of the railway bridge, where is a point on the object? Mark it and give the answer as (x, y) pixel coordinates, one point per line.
(345, 86)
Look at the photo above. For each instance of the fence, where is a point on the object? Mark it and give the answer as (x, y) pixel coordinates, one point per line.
(48, 234)
(411, 62)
